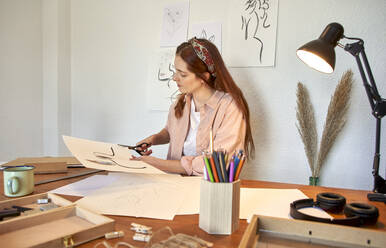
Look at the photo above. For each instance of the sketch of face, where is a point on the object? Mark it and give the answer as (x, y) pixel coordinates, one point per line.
(186, 80)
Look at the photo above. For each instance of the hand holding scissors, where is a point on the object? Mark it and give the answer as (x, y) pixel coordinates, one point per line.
(141, 149)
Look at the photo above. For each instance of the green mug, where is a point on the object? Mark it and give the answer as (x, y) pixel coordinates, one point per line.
(18, 180)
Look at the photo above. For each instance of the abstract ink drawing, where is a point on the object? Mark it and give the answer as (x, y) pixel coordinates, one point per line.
(165, 74)
(255, 18)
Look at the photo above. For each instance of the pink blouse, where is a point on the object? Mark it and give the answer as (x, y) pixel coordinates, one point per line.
(221, 113)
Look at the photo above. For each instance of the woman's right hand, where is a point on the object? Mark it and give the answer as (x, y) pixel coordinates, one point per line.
(144, 148)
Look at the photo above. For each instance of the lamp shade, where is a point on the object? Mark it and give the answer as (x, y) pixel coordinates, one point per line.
(320, 54)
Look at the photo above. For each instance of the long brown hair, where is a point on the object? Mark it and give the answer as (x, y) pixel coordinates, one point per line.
(222, 81)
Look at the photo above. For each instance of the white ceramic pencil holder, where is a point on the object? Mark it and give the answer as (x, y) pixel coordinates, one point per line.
(219, 207)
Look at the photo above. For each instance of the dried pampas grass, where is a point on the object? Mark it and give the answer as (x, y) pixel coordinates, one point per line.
(307, 125)
(336, 117)
(335, 121)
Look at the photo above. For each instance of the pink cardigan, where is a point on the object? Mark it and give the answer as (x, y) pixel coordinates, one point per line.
(229, 129)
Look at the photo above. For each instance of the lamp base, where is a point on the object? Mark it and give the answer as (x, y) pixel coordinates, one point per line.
(379, 197)
(379, 184)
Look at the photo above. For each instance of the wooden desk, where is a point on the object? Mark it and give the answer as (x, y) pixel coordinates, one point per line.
(189, 223)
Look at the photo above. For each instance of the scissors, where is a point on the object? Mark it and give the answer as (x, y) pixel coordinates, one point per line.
(138, 148)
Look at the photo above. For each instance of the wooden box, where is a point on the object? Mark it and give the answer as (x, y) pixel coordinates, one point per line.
(65, 226)
(45, 165)
(266, 231)
(31, 201)
(219, 207)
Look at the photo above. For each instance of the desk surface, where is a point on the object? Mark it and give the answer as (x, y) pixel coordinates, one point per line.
(188, 224)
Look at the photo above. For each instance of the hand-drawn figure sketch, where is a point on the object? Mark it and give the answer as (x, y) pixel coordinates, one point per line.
(166, 71)
(166, 76)
(175, 24)
(209, 30)
(255, 17)
(173, 18)
(252, 29)
(203, 35)
(162, 90)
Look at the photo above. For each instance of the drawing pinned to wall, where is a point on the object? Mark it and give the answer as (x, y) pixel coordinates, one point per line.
(175, 24)
(252, 33)
(210, 31)
(162, 90)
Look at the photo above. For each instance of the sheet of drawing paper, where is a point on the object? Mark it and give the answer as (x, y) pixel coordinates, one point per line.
(191, 190)
(175, 24)
(138, 195)
(208, 30)
(161, 89)
(189, 187)
(251, 34)
(99, 155)
(86, 186)
(272, 202)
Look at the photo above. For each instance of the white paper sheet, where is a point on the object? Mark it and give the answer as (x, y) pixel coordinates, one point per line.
(139, 195)
(272, 202)
(191, 191)
(175, 24)
(86, 186)
(89, 154)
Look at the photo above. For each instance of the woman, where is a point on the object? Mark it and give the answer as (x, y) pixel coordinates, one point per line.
(209, 100)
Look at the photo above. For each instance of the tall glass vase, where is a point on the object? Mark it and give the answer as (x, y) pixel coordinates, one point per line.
(314, 181)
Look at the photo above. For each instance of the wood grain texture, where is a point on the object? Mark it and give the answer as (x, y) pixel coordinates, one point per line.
(219, 207)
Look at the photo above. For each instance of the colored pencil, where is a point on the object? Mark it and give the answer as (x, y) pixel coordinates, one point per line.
(226, 159)
(213, 166)
(239, 168)
(207, 166)
(236, 162)
(211, 141)
(223, 166)
(218, 168)
(205, 172)
(231, 170)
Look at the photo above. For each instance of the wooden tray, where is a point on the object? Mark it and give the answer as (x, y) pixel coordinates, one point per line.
(65, 226)
(265, 231)
(46, 165)
(31, 201)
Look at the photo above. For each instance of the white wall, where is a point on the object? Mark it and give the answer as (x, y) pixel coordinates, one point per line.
(56, 75)
(113, 43)
(35, 101)
(20, 79)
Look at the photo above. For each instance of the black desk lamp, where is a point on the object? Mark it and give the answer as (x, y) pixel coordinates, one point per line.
(320, 55)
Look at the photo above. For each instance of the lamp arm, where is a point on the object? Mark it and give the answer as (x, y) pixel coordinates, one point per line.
(378, 105)
(357, 50)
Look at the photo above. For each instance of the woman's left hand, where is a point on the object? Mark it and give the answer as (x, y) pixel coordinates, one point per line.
(173, 166)
(147, 159)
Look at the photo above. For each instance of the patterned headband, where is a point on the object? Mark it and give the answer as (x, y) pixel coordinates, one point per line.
(203, 54)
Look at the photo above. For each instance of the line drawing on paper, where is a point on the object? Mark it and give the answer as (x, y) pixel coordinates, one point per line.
(208, 30)
(166, 72)
(203, 35)
(173, 20)
(166, 76)
(253, 19)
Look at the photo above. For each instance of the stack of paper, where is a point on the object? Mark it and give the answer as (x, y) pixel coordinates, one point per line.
(164, 196)
(148, 192)
(143, 195)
